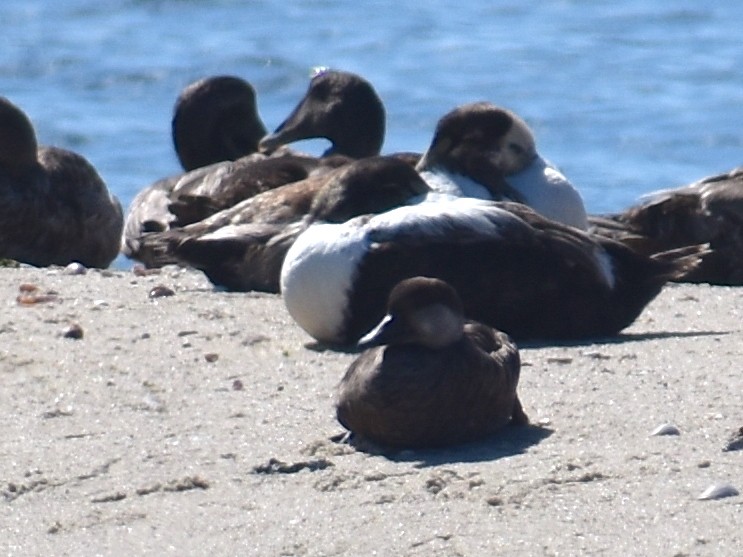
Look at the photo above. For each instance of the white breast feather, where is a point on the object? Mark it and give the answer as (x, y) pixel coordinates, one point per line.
(317, 275)
(549, 192)
(457, 185)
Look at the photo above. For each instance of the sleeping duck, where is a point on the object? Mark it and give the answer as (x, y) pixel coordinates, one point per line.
(216, 119)
(54, 207)
(485, 151)
(707, 211)
(243, 248)
(429, 377)
(515, 270)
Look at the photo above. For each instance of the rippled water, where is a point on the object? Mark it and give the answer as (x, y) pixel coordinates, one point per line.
(626, 97)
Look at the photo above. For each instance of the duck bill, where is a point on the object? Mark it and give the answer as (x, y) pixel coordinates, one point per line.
(301, 124)
(387, 330)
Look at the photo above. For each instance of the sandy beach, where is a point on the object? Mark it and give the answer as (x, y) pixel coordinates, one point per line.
(203, 423)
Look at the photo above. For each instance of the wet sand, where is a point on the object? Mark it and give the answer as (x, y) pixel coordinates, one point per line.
(203, 422)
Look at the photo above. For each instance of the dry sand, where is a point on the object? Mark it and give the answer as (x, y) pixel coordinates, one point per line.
(201, 423)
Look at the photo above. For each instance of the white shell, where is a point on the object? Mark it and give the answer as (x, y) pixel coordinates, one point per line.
(666, 429)
(718, 491)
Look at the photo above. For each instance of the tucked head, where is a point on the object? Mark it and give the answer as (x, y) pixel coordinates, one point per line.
(480, 130)
(17, 138)
(420, 310)
(216, 119)
(370, 185)
(339, 106)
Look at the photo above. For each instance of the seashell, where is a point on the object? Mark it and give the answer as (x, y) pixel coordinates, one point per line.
(30, 294)
(718, 491)
(665, 429)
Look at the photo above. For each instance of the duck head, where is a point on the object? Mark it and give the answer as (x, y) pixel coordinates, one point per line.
(481, 141)
(18, 146)
(216, 119)
(420, 310)
(338, 106)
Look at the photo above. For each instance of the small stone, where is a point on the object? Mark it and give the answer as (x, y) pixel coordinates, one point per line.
(211, 357)
(161, 291)
(73, 331)
(140, 270)
(237, 385)
(75, 268)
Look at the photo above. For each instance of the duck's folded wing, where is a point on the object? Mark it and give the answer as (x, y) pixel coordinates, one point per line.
(466, 221)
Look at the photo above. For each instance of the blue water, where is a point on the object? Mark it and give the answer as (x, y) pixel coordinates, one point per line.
(625, 97)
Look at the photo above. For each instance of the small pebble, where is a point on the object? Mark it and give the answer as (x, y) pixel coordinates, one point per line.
(140, 270)
(73, 331)
(718, 491)
(665, 429)
(75, 268)
(237, 385)
(211, 357)
(160, 291)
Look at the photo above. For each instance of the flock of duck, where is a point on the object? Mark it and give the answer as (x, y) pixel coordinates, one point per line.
(421, 259)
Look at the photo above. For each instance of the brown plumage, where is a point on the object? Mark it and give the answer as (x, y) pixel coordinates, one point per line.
(436, 379)
(216, 119)
(215, 125)
(708, 211)
(54, 207)
(243, 248)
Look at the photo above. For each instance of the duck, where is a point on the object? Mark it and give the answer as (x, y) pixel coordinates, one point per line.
(709, 210)
(242, 248)
(486, 151)
(55, 209)
(515, 270)
(216, 129)
(427, 376)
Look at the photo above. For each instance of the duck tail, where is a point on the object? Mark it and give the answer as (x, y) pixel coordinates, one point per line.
(682, 261)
